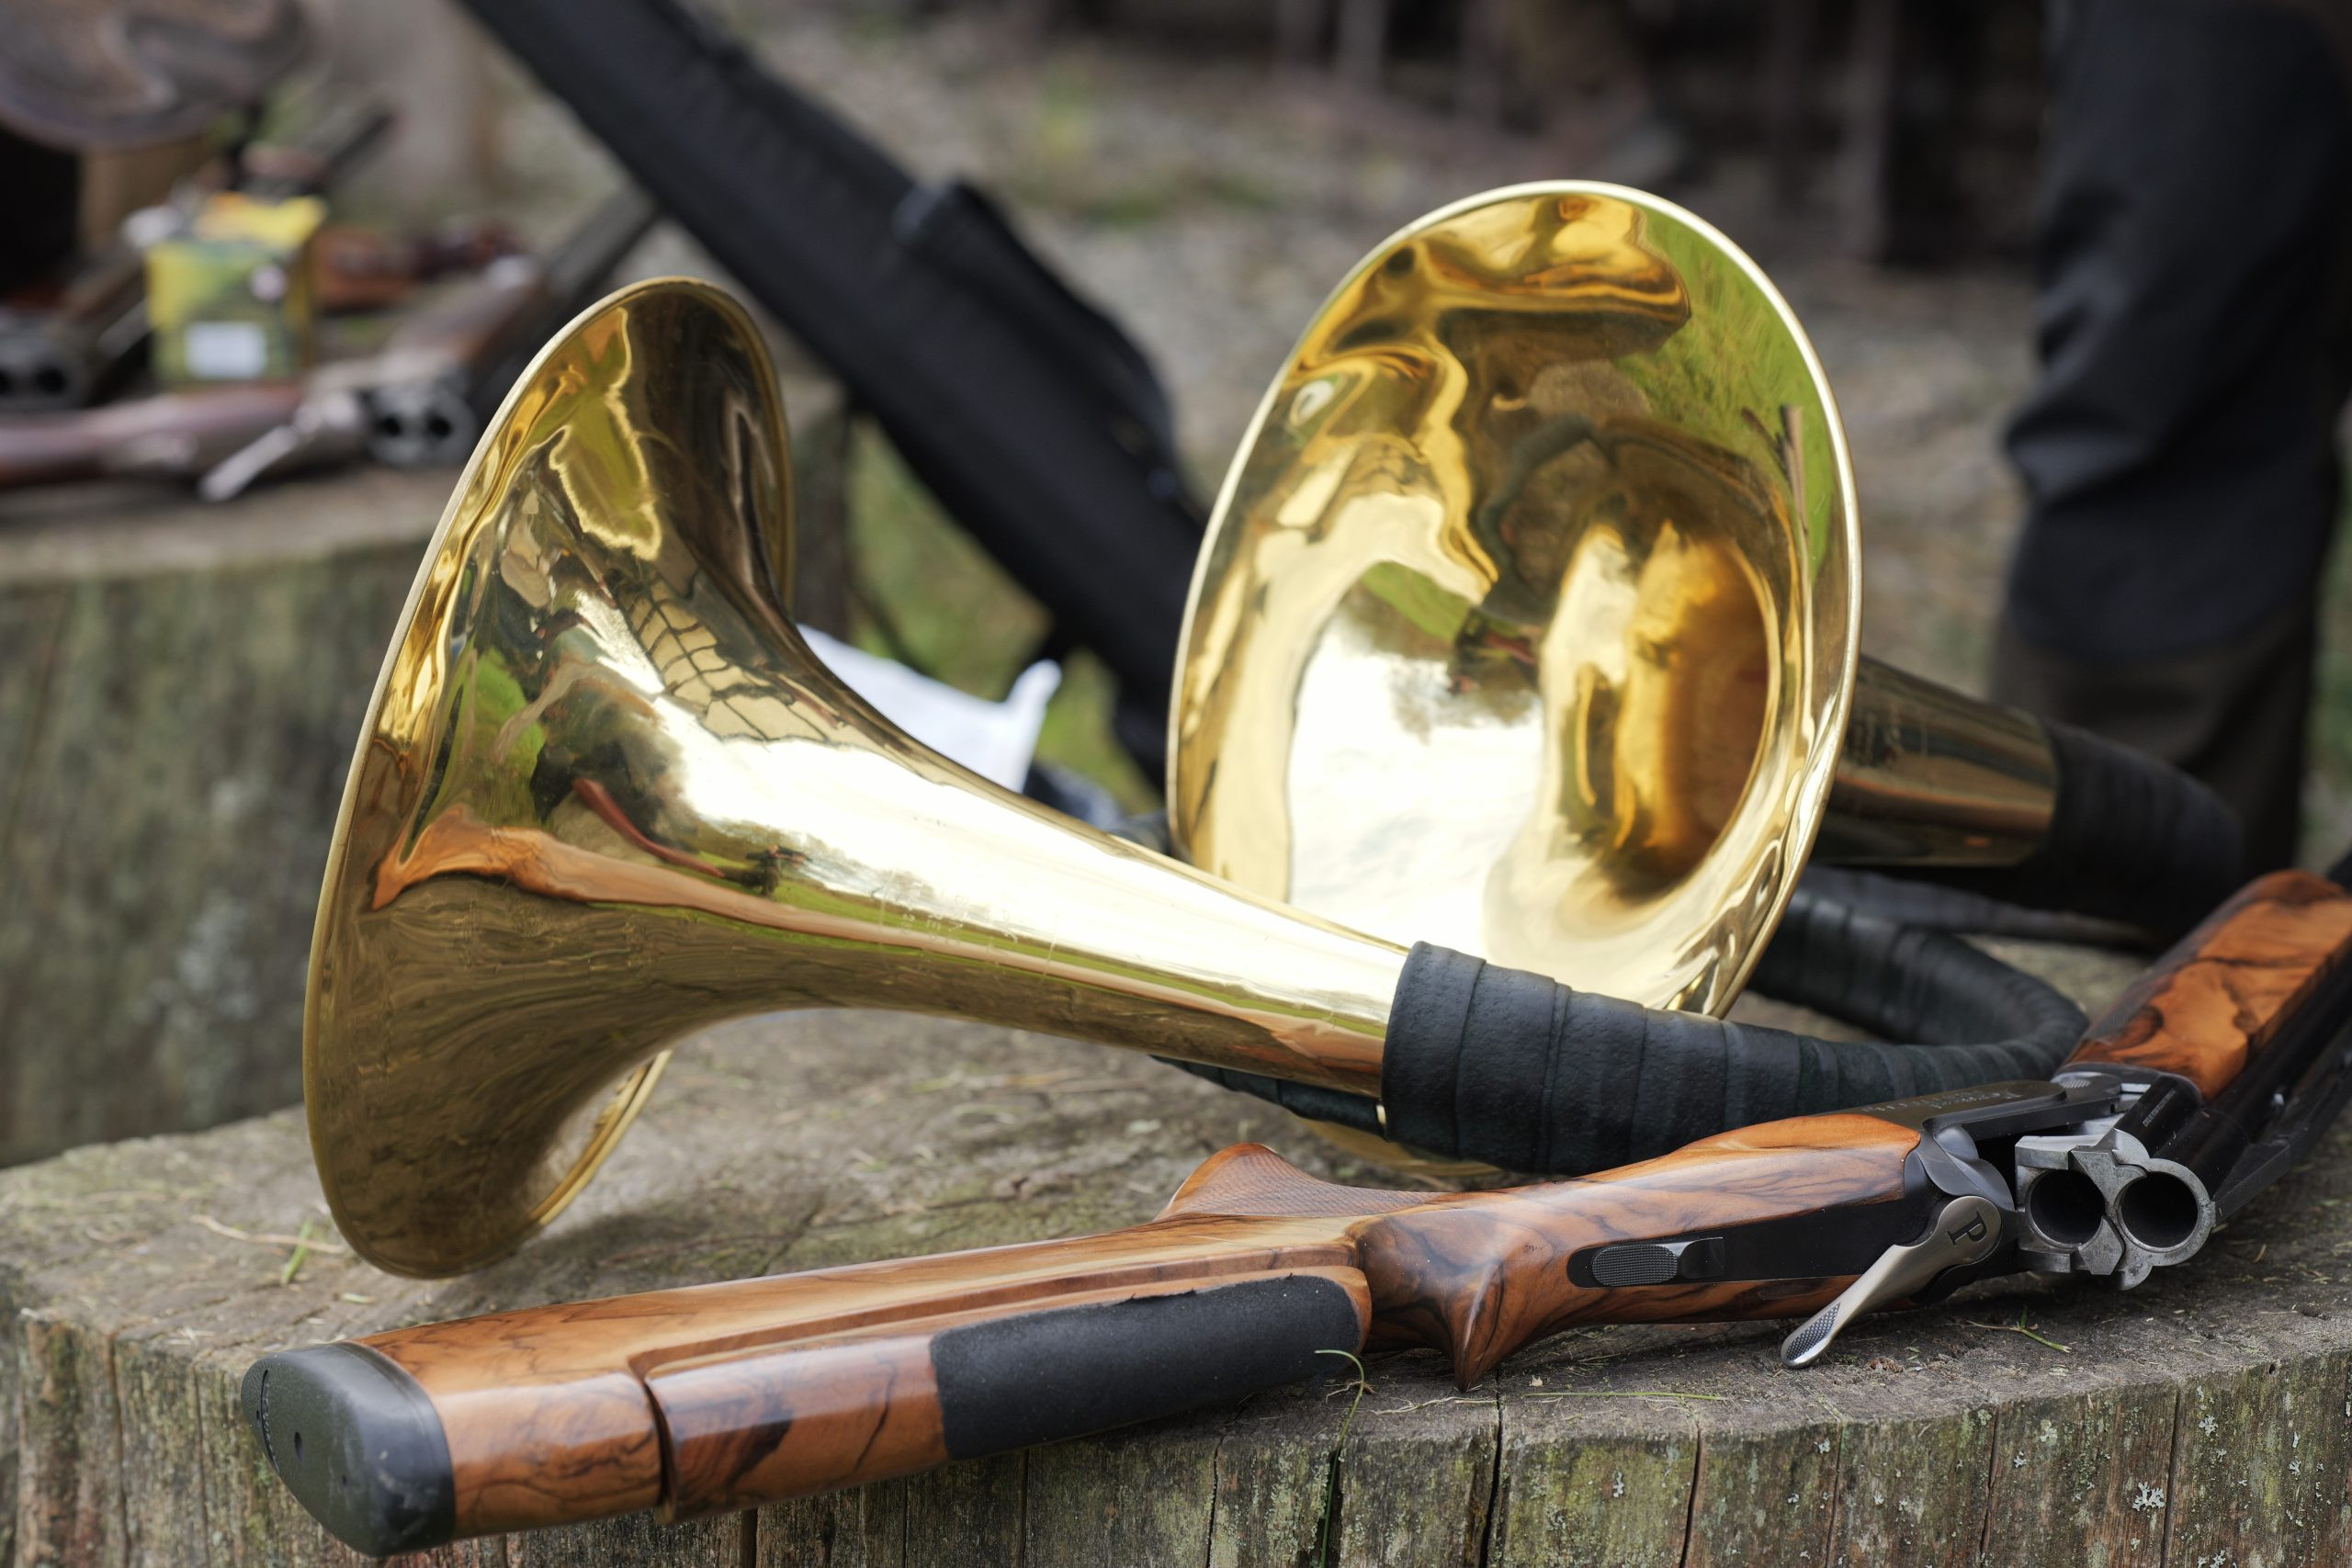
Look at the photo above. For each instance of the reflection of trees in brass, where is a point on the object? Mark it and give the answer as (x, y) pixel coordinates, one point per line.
(1504, 394)
(1733, 374)
(1665, 730)
(1530, 466)
(1414, 622)
(1544, 473)
(1466, 367)
(649, 452)
(1459, 339)
(1659, 736)
(1679, 739)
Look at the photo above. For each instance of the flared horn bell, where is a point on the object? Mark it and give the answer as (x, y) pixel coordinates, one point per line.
(1526, 619)
(606, 795)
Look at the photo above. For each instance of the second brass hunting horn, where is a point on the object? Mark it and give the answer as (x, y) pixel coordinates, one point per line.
(1527, 621)
(606, 796)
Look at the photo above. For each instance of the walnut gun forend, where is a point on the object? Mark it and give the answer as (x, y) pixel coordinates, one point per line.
(2224, 1058)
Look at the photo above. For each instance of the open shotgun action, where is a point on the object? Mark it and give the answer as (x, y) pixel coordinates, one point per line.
(721, 1396)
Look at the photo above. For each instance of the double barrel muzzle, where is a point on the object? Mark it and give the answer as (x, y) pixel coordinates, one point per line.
(2104, 1206)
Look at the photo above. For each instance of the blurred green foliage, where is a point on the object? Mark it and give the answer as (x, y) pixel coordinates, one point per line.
(929, 597)
(1063, 167)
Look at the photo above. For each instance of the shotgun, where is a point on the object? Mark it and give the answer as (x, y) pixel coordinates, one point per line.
(2212, 1074)
(420, 399)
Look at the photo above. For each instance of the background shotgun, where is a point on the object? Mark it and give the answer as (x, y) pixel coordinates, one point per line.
(420, 399)
(721, 1396)
(68, 351)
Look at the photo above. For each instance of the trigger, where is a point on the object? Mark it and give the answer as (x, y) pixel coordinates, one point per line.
(1967, 1231)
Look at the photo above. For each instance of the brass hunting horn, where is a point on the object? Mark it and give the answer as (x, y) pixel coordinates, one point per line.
(606, 796)
(1527, 622)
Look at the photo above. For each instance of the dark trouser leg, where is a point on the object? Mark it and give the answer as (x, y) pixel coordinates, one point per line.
(2234, 715)
(2178, 451)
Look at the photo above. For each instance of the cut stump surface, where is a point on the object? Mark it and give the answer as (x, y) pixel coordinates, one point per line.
(2206, 1417)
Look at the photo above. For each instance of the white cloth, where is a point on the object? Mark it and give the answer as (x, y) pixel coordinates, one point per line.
(994, 740)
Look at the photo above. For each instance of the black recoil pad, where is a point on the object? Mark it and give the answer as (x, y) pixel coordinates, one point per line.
(2131, 838)
(358, 1444)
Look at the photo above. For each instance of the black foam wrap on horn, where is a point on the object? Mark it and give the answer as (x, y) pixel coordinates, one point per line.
(2131, 838)
(1517, 1070)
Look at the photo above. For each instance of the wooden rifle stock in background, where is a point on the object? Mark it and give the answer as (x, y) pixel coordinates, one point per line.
(717, 1398)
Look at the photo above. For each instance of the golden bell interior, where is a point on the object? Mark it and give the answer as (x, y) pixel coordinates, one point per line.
(1525, 622)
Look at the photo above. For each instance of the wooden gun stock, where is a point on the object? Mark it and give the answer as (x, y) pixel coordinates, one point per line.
(721, 1396)
(2223, 992)
(171, 434)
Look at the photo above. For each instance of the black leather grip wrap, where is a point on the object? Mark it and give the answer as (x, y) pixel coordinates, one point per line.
(1521, 1072)
(1516, 1069)
(1039, 1377)
(2131, 838)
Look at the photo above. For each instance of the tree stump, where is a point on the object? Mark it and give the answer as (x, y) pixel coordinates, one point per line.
(180, 686)
(2200, 1418)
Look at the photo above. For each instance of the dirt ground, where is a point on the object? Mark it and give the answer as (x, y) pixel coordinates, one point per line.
(1210, 203)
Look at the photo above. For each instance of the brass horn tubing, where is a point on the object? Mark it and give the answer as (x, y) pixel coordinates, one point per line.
(1049, 926)
(1928, 777)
